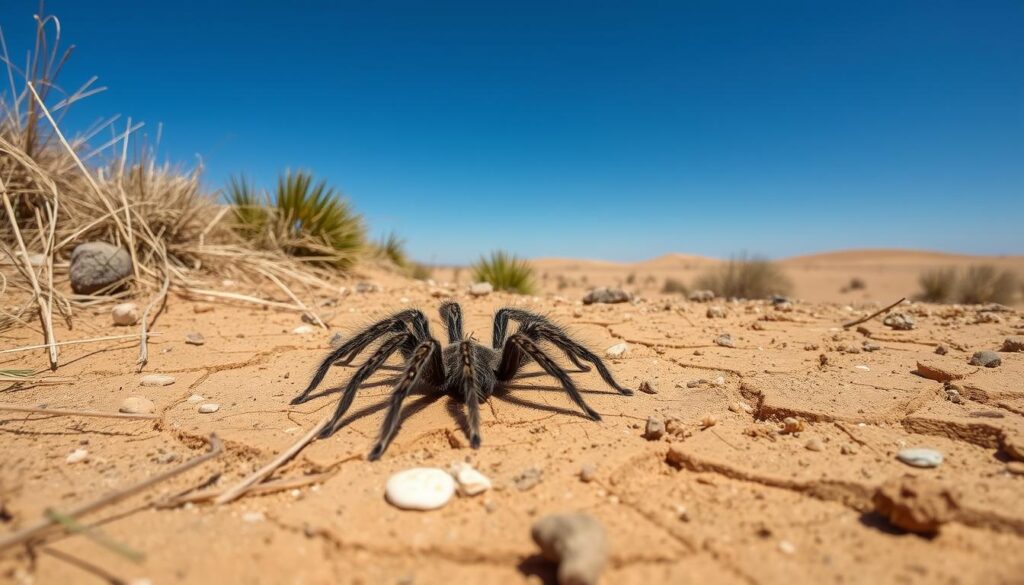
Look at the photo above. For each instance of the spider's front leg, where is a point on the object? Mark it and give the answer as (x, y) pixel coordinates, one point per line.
(526, 321)
(519, 345)
(425, 363)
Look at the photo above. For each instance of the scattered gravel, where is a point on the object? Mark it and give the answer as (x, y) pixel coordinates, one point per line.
(577, 542)
(925, 458)
(420, 488)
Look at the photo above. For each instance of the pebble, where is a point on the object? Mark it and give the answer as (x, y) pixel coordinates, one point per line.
(420, 488)
(870, 346)
(136, 405)
(862, 368)
(1013, 344)
(606, 295)
(209, 408)
(899, 322)
(577, 312)
(988, 359)
(367, 287)
(336, 340)
(253, 517)
(195, 338)
(848, 450)
(715, 312)
(925, 458)
(196, 398)
(646, 388)
(814, 444)
(156, 380)
(702, 296)
(197, 309)
(481, 289)
(577, 542)
(588, 473)
(303, 330)
(787, 547)
(655, 429)
(617, 350)
(125, 314)
(708, 421)
(77, 455)
(528, 479)
(724, 340)
(792, 425)
(917, 504)
(471, 482)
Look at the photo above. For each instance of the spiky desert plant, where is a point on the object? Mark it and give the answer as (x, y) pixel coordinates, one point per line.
(392, 248)
(420, 271)
(505, 272)
(743, 277)
(986, 284)
(937, 285)
(302, 218)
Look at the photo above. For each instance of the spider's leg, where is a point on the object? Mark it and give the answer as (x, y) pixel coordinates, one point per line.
(451, 314)
(471, 393)
(526, 320)
(425, 358)
(365, 371)
(511, 360)
(571, 347)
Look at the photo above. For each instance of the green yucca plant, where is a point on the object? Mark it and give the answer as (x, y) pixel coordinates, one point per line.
(392, 247)
(302, 218)
(505, 272)
(937, 285)
(745, 278)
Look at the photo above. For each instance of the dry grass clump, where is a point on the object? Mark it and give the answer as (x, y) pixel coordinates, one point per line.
(977, 285)
(745, 278)
(674, 286)
(505, 272)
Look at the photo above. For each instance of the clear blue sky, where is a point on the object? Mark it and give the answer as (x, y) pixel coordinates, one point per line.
(618, 130)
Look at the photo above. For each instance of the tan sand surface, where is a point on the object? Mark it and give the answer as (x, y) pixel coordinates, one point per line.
(738, 502)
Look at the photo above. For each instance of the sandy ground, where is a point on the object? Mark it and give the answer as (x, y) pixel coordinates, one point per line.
(739, 502)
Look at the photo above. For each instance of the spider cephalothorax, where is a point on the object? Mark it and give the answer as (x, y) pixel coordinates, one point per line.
(465, 369)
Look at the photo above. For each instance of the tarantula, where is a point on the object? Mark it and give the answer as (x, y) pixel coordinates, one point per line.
(464, 369)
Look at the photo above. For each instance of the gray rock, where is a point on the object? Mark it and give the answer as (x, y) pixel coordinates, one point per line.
(925, 458)
(336, 340)
(988, 359)
(715, 312)
(367, 287)
(655, 429)
(588, 473)
(899, 321)
(195, 338)
(97, 265)
(606, 295)
(941, 350)
(1013, 344)
(724, 340)
(702, 296)
(870, 346)
(577, 542)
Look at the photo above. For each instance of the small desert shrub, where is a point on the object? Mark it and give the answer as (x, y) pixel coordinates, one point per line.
(392, 248)
(301, 218)
(505, 272)
(673, 286)
(937, 285)
(986, 284)
(745, 278)
(420, 271)
(631, 278)
(857, 283)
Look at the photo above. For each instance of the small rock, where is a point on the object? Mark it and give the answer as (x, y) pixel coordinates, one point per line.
(899, 321)
(724, 340)
(156, 380)
(97, 265)
(367, 287)
(197, 309)
(925, 458)
(941, 350)
(195, 398)
(77, 456)
(1013, 344)
(577, 543)
(470, 481)
(420, 488)
(715, 312)
(646, 388)
(787, 547)
(125, 314)
(588, 473)
(655, 429)
(870, 346)
(617, 350)
(577, 312)
(862, 368)
(528, 479)
(209, 408)
(988, 359)
(708, 421)
(814, 444)
(136, 405)
(916, 504)
(606, 295)
(702, 296)
(792, 425)
(336, 340)
(303, 330)
(953, 393)
(848, 450)
(481, 289)
(195, 338)
(253, 517)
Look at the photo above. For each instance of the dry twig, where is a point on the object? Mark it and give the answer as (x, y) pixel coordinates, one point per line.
(69, 412)
(873, 315)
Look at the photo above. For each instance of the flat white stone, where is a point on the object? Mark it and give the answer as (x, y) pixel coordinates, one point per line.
(617, 350)
(303, 330)
(196, 398)
(420, 488)
(471, 482)
(77, 455)
(157, 380)
(920, 457)
(209, 408)
(136, 405)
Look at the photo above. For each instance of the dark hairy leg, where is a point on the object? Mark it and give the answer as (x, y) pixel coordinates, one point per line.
(451, 315)
(553, 334)
(518, 345)
(425, 358)
(471, 393)
(526, 320)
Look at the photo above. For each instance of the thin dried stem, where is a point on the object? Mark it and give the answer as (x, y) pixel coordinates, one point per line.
(69, 412)
(873, 315)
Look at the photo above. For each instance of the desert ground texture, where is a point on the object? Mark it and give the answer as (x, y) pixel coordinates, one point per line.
(772, 454)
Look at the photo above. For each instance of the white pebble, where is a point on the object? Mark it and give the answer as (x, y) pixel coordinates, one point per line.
(196, 398)
(420, 488)
(253, 517)
(617, 350)
(481, 289)
(136, 405)
(77, 455)
(303, 330)
(920, 457)
(787, 547)
(209, 408)
(125, 314)
(157, 380)
(471, 482)
(862, 368)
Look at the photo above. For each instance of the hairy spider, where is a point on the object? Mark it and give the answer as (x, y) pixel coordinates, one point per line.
(464, 369)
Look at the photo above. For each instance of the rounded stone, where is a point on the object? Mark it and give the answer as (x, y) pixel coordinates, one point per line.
(420, 488)
(97, 265)
(987, 359)
(125, 314)
(136, 405)
(209, 408)
(925, 458)
(157, 380)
